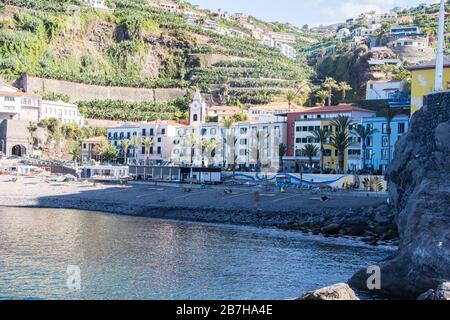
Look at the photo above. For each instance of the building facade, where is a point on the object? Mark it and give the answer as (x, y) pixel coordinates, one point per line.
(422, 81)
(65, 112)
(301, 130)
(383, 89)
(378, 146)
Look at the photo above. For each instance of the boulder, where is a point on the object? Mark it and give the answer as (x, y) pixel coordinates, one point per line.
(331, 229)
(419, 191)
(340, 291)
(441, 293)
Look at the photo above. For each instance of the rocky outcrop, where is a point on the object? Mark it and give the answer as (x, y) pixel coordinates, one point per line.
(340, 291)
(419, 187)
(441, 293)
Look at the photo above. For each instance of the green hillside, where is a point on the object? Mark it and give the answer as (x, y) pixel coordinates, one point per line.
(136, 45)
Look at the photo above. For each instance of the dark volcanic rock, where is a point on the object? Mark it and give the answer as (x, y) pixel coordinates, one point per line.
(419, 187)
(441, 293)
(331, 229)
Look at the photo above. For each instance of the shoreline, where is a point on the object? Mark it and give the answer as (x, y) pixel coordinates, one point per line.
(366, 219)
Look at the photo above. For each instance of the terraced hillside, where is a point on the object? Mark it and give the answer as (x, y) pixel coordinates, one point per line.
(142, 46)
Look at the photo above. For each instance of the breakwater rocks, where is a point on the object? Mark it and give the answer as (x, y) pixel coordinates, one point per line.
(340, 291)
(419, 184)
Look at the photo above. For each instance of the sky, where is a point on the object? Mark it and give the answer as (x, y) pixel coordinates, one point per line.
(311, 12)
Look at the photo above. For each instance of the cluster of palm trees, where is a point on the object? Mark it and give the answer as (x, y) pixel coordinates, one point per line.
(329, 86)
(133, 143)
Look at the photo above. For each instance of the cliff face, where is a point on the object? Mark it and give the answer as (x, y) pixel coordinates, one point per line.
(419, 187)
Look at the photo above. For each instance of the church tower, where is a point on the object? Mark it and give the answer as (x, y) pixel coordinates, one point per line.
(197, 110)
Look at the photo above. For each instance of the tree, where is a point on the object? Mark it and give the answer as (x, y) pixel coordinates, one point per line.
(329, 84)
(125, 145)
(364, 133)
(322, 136)
(322, 96)
(98, 150)
(135, 142)
(310, 151)
(344, 87)
(290, 97)
(204, 143)
(282, 149)
(32, 128)
(192, 138)
(389, 114)
(302, 99)
(75, 152)
(148, 143)
(340, 139)
(110, 153)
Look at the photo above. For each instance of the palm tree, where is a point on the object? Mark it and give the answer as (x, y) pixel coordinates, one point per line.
(148, 143)
(389, 114)
(322, 136)
(340, 139)
(32, 128)
(135, 142)
(322, 96)
(192, 138)
(310, 151)
(329, 84)
(76, 155)
(290, 97)
(211, 150)
(228, 123)
(110, 153)
(125, 145)
(203, 145)
(302, 99)
(364, 133)
(344, 87)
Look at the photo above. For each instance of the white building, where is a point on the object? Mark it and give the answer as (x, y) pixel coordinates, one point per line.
(246, 144)
(380, 89)
(16, 105)
(343, 33)
(97, 4)
(285, 49)
(161, 132)
(410, 42)
(168, 6)
(63, 111)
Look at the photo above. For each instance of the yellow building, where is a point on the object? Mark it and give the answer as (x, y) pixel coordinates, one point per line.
(423, 77)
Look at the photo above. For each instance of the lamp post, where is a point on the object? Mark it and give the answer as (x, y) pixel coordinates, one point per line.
(438, 86)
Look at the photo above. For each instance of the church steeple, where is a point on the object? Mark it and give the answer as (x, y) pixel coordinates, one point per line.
(197, 110)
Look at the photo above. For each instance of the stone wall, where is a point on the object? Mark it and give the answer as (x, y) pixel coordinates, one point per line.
(419, 189)
(414, 55)
(80, 92)
(207, 60)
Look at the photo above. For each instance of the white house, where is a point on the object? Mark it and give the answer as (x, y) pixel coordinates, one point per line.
(63, 111)
(16, 105)
(380, 89)
(343, 33)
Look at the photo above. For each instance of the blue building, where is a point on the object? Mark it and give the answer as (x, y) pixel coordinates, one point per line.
(377, 146)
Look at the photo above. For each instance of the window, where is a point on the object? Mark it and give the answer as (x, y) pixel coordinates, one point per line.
(298, 129)
(242, 152)
(158, 150)
(243, 142)
(213, 132)
(385, 141)
(327, 153)
(384, 154)
(354, 152)
(159, 140)
(384, 130)
(143, 150)
(144, 132)
(163, 131)
(151, 132)
(298, 140)
(109, 135)
(195, 117)
(10, 99)
(401, 127)
(128, 135)
(204, 131)
(243, 130)
(151, 150)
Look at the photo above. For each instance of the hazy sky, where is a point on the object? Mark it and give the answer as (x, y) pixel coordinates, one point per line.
(312, 12)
